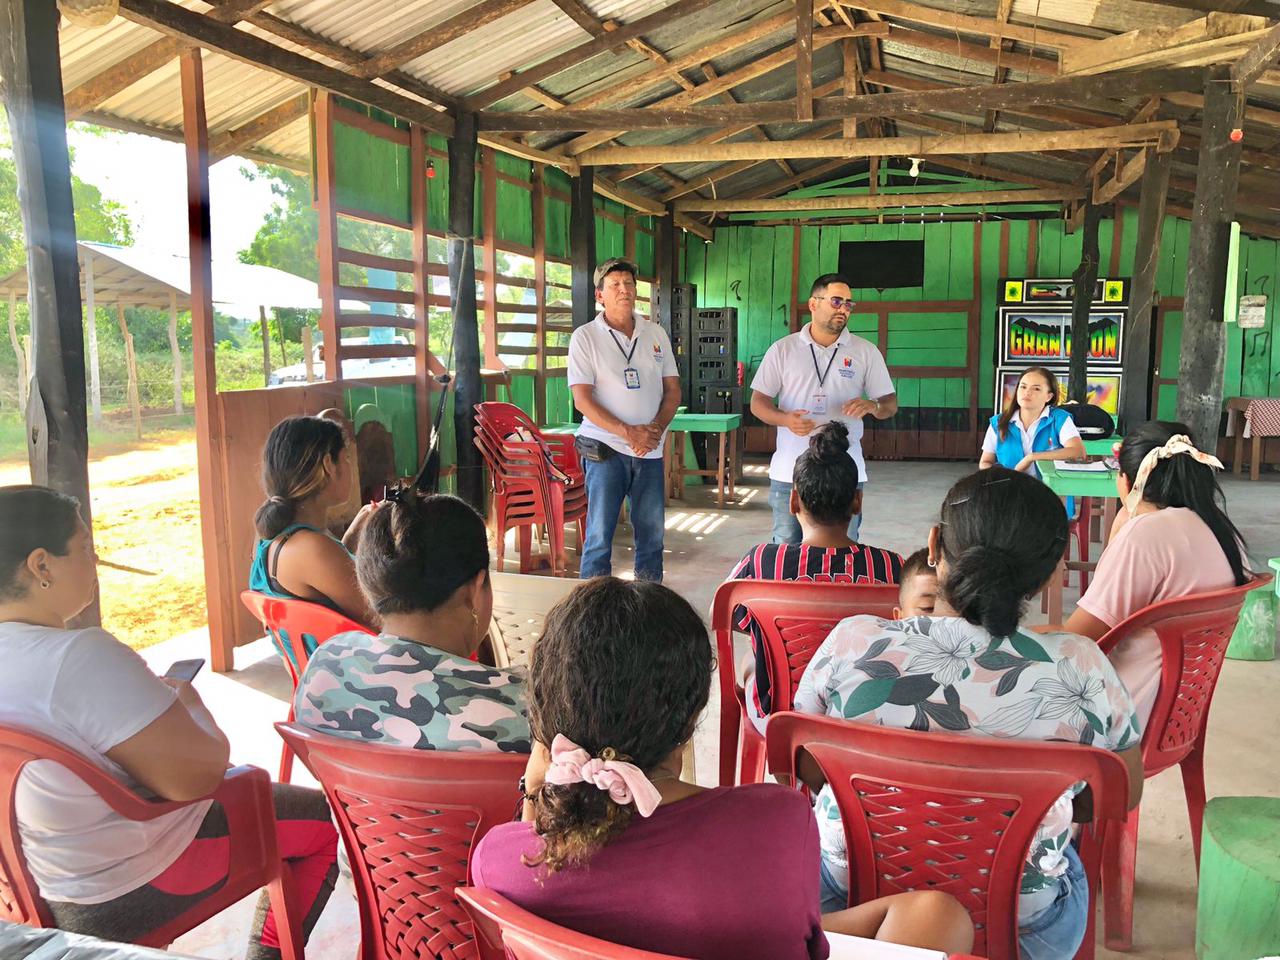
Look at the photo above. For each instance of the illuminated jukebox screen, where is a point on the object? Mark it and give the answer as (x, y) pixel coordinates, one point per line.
(1034, 325)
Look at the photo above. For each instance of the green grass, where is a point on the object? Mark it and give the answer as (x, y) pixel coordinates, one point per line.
(114, 435)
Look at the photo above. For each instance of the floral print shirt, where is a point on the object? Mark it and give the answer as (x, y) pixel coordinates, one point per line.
(943, 673)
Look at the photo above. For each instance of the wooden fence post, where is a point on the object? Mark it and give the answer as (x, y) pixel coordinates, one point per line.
(266, 346)
(307, 350)
(131, 363)
(175, 352)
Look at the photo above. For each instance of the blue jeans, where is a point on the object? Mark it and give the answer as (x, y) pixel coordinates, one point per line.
(1056, 932)
(786, 527)
(609, 482)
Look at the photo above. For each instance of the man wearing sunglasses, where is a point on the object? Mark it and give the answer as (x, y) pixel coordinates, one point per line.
(822, 373)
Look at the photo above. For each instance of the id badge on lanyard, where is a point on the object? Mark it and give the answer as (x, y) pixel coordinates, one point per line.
(630, 375)
(818, 402)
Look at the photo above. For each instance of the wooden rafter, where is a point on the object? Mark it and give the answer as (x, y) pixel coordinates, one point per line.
(173, 20)
(610, 41)
(723, 172)
(961, 23)
(1163, 134)
(1256, 59)
(678, 110)
(173, 135)
(581, 16)
(436, 36)
(804, 59)
(861, 201)
(1215, 35)
(119, 76)
(970, 51)
(1003, 9)
(757, 131)
(264, 124)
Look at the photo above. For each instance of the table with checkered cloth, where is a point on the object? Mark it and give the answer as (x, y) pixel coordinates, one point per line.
(1261, 419)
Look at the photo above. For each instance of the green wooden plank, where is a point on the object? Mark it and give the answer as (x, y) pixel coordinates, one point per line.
(949, 340)
(828, 251)
(645, 254)
(779, 320)
(1259, 275)
(695, 263)
(1106, 234)
(712, 292)
(1273, 375)
(1049, 249)
(957, 392)
(908, 389)
(1178, 281)
(1167, 403)
(754, 339)
(987, 313)
(1071, 249)
(809, 261)
(924, 357)
(738, 276)
(1171, 345)
(1164, 266)
(1018, 233)
(960, 278)
(933, 391)
(937, 261)
(928, 322)
(557, 220)
(514, 214)
(865, 325)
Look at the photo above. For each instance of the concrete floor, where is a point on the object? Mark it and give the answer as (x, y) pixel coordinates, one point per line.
(703, 542)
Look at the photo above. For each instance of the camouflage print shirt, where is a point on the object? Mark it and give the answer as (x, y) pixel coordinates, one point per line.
(390, 690)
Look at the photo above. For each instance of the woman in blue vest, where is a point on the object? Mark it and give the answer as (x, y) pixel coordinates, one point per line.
(1032, 427)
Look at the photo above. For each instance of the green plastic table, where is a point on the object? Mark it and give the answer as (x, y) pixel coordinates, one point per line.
(726, 470)
(1101, 448)
(1072, 483)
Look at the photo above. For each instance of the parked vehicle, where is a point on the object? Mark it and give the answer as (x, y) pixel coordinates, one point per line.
(352, 369)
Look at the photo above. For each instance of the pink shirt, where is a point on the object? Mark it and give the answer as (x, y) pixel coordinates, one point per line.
(1156, 556)
(728, 873)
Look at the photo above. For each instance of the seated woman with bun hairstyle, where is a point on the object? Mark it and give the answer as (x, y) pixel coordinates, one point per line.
(617, 846)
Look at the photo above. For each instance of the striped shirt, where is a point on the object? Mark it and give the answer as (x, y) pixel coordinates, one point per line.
(799, 561)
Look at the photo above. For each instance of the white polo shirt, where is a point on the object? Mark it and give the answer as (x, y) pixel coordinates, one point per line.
(795, 369)
(598, 355)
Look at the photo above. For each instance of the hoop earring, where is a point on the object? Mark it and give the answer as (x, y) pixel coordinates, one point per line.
(931, 562)
(44, 584)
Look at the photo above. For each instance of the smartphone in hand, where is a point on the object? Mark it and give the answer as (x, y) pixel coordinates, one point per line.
(185, 669)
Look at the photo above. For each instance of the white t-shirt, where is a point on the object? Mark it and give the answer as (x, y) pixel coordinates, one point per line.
(88, 691)
(792, 370)
(1066, 434)
(598, 355)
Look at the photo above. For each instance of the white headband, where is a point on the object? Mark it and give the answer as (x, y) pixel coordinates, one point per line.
(1177, 444)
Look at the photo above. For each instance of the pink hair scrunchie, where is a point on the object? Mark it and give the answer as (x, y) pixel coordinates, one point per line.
(624, 782)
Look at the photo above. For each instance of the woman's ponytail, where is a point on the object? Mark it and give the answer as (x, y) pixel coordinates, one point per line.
(293, 469)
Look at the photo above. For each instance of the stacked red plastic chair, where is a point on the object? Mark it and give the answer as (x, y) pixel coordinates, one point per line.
(526, 492)
(291, 622)
(934, 811)
(503, 926)
(410, 820)
(794, 618)
(245, 796)
(1193, 632)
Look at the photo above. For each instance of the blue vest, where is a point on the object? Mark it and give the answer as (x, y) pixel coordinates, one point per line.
(1009, 449)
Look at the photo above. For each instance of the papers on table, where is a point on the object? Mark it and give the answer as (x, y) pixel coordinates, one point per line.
(1096, 466)
(844, 947)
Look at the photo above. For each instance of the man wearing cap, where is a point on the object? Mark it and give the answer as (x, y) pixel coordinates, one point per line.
(822, 373)
(624, 380)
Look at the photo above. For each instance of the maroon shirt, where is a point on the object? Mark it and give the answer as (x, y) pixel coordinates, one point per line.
(728, 874)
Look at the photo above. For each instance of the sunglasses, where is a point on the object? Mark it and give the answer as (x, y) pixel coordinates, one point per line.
(838, 303)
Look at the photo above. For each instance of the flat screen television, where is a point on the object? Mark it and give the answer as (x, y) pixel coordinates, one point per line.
(881, 264)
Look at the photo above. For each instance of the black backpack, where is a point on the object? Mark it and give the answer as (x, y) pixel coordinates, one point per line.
(1094, 423)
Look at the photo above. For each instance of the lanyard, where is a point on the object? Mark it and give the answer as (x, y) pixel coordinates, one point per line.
(822, 374)
(623, 350)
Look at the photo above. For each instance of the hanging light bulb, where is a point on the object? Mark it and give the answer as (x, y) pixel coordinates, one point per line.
(915, 167)
(431, 169)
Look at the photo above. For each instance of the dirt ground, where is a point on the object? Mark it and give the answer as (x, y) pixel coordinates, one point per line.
(146, 518)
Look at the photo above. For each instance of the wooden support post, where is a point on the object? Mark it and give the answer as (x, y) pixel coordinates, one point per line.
(176, 352)
(582, 246)
(218, 578)
(468, 390)
(665, 260)
(57, 421)
(539, 202)
(852, 71)
(1204, 338)
(418, 207)
(308, 348)
(131, 371)
(804, 59)
(91, 321)
(266, 345)
(489, 255)
(24, 372)
(1085, 278)
(327, 243)
(1134, 394)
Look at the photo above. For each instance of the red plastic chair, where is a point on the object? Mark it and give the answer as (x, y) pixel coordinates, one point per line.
(290, 622)
(524, 492)
(245, 795)
(794, 618)
(947, 812)
(1193, 632)
(410, 819)
(500, 924)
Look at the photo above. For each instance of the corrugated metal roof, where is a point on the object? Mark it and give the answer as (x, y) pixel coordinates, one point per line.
(236, 92)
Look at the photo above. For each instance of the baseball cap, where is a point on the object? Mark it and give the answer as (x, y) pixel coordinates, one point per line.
(614, 263)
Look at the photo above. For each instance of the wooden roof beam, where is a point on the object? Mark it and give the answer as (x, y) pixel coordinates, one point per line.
(113, 122)
(723, 172)
(1215, 34)
(862, 201)
(1163, 134)
(1034, 36)
(263, 125)
(804, 60)
(677, 110)
(120, 76)
(1256, 59)
(173, 20)
(460, 24)
(585, 51)
(1003, 9)
(629, 198)
(697, 229)
(971, 51)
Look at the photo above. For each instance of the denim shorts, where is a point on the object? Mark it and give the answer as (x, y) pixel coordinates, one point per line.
(1056, 932)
